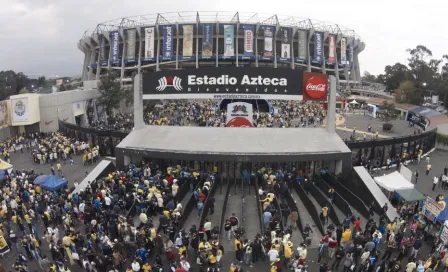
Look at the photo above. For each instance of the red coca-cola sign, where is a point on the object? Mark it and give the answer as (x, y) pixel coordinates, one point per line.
(315, 86)
(239, 122)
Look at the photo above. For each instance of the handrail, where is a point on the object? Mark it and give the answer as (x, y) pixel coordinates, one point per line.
(323, 201)
(259, 210)
(224, 207)
(338, 200)
(312, 210)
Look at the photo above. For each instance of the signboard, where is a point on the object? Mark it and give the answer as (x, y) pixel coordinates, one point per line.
(432, 208)
(331, 48)
(78, 108)
(303, 45)
(187, 41)
(285, 52)
(249, 32)
(239, 114)
(130, 50)
(268, 42)
(207, 41)
(149, 43)
(315, 86)
(318, 47)
(168, 32)
(115, 46)
(20, 110)
(223, 83)
(343, 51)
(229, 41)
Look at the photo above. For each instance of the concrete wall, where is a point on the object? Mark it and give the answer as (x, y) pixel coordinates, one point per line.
(60, 106)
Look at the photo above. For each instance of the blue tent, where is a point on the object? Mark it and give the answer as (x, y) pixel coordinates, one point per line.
(53, 183)
(40, 179)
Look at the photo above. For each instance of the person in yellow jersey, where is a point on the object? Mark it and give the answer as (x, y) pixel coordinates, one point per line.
(325, 211)
(146, 267)
(211, 260)
(287, 252)
(238, 250)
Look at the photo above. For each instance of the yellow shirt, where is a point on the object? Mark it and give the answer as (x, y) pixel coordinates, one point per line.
(58, 166)
(288, 252)
(325, 211)
(212, 259)
(346, 235)
(146, 267)
(27, 219)
(237, 244)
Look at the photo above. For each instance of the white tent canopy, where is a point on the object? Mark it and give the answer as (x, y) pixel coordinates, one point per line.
(354, 102)
(393, 181)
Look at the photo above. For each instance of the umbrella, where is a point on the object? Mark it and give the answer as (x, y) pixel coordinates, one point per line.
(40, 179)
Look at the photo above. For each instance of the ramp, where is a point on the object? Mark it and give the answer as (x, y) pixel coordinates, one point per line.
(373, 192)
(101, 170)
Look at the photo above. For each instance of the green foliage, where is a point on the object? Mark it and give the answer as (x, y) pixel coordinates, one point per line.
(111, 92)
(11, 83)
(23, 91)
(41, 81)
(388, 111)
(62, 88)
(407, 92)
(442, 139)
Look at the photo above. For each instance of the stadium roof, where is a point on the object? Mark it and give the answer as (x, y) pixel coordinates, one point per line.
(245, 144)
(231, 17)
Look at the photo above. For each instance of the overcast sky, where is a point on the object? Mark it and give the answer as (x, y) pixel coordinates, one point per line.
(40, 36)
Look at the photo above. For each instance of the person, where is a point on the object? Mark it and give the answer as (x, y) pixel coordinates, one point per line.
(180, 268)
(238, 249)
(287, 253)
(273, 254)
(416, 176)
(234, 222)
(71, 162)
(228, 229)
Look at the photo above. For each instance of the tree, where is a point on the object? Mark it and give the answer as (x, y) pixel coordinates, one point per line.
(111, 93)
(423, 67)
(388, 111)
(368, 77)
(41, 81)
(23, 91)
(394, 75)
(62, 88)
(408, 92)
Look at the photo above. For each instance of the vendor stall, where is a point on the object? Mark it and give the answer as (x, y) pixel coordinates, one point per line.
(393, 182)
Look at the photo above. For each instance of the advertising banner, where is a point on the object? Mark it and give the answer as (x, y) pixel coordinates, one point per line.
(315, 86)
(239, 114)
(115, 42)
(229, 41)
(149, 43)
(103, 58)
(268, 42)
(444, 234)
(207, 41)
(168, 33)
(78, 108)
(343, 51)
(318, 47)
(20, 110)
(187, 41)
(130, 50)
(303, 45)
(224, 83)
(351, 48)
(331, 48)
(249, 32)
(285, 52)
(4, 114)
(432, 209)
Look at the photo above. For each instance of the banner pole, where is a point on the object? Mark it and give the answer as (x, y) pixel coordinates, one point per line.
(331, 106)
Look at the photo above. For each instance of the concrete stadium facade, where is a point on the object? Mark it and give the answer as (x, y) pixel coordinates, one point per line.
(99, 58)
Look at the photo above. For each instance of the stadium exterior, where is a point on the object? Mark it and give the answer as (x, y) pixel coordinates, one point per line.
(189, 40)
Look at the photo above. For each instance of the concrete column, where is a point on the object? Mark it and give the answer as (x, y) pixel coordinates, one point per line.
(331, 111)
(177, 46)
(310, 35)
(236, 44)
(324, 61)
(293, 33)
(98, 62)
(91, 61)
(158, 47)
(257, 27)
(275, 45)
(138, 102)
(140, 43)
(336, 67)
(197, 44)
(357, 68)
(84, 66)
(217, 45)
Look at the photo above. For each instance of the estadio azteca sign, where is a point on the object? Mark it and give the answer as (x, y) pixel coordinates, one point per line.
(315, 86)
(225, 82)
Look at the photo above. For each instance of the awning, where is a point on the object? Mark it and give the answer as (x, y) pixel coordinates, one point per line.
(410, 195)
(393, 182)
(425, 112)
(4, 165)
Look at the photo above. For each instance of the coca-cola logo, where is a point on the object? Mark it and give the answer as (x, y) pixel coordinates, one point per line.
(315, 86)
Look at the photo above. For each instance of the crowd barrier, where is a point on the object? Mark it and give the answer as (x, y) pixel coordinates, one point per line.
(310, 207)
(259, 208)
(347, 194)
(323, 201)
(293, 207)
(279, 211)
(191, 205)
(206, 208)
(338, 200)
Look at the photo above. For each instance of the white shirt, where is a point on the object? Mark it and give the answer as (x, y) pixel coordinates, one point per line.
(107, 200)
(185, 265)
(136, 266)
(436, 180)
(208, 226)
(81, 207)
(273, 254)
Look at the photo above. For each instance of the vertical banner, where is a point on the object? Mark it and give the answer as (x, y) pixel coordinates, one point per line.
(115, 45)
(318, 37)
(331, 48)
(351, 48)
(285, 52)
(187, 50)
(249, 31)
(303, 45)
(207, 40)
(344, 51)
(130, 50)
(268, 41)
(168, 42)
(20, 109)
(149, 42)
(229, 41)
(103, 59)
